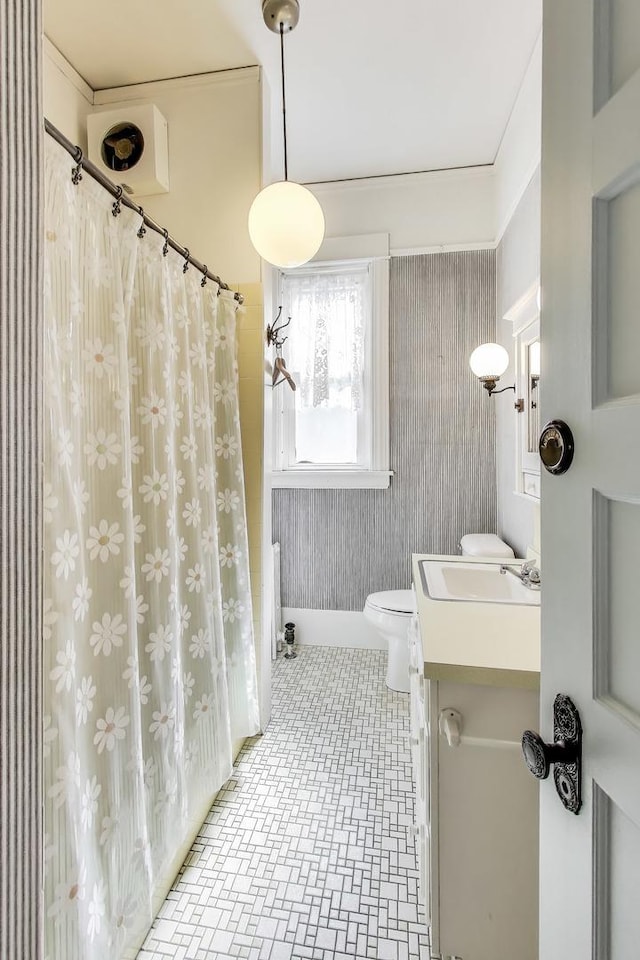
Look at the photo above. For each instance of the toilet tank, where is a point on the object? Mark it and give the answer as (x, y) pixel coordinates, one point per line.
(485, 545)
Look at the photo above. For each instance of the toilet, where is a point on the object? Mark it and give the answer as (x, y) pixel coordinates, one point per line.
(390, 611)
(485, 545)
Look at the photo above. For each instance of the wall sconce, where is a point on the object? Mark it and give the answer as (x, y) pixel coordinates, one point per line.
(489, 361)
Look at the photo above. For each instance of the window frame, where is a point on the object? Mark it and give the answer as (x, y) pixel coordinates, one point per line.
(376, 387)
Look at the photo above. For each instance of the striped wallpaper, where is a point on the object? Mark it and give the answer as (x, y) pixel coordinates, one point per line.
(20, 498)
(337, 546)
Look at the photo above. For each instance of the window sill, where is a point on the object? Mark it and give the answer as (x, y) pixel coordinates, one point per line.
(332, 479)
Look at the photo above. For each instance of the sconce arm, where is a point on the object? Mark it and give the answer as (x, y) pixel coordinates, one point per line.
(490, 386)
(492, 390)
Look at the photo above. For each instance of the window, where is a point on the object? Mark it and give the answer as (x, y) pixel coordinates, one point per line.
(333, 430)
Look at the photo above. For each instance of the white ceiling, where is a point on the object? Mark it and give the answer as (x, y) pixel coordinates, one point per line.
(373, 87)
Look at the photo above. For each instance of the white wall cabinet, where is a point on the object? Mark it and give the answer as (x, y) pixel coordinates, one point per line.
(476, 817)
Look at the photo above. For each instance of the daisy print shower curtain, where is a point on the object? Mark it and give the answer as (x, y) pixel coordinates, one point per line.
(149, 655)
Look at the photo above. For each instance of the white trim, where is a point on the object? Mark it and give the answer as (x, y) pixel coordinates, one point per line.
(51, 52)
(525, 310)
(372, 471)
(331, 479)
(526, 496)
(521, 89)
(380, 372)
(519, 151)
(531, 485)
(333, 628)
(366, 247)
(402, 179)
(276, 608)
(147, 91)
(515, 200)
(525, 317)
(442, 248)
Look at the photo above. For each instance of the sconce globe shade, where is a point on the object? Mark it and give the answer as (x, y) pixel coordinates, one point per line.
(286, 224)
(489, 360)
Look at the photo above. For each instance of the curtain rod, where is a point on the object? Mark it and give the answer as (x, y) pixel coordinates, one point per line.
(118, 193)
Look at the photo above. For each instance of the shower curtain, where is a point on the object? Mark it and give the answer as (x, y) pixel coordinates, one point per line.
(149, 654)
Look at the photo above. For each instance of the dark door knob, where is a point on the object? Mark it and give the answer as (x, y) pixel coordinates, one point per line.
(565, 752)
(556, 446)
(539, 755)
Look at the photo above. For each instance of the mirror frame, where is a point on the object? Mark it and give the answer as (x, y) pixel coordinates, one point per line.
(524, 316)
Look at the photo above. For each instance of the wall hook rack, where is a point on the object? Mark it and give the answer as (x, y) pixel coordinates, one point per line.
(280, 372)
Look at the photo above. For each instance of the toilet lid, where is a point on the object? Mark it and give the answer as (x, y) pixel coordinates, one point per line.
(397, 601)
(485, 545)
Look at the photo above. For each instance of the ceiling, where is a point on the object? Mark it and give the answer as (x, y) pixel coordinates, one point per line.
(373, 88)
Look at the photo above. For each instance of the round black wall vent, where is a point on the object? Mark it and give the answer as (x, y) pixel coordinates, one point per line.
(122, 147)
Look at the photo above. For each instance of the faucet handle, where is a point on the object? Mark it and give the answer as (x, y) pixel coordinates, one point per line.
(530, 571)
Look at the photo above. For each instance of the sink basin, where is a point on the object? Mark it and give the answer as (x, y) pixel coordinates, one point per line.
(478, 582)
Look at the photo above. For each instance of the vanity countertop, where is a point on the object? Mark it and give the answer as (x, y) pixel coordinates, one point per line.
(467, 641)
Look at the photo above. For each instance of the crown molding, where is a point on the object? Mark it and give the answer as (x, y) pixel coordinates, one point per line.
(395, 180)
(51, 53)
(151, 88)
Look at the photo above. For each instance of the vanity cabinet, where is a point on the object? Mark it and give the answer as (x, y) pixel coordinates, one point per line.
(476, 814)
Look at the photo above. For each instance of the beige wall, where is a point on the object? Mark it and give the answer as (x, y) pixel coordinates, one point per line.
(215, 163)
(215, 153)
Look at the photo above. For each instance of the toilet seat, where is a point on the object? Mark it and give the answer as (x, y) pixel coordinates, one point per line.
(400, 602)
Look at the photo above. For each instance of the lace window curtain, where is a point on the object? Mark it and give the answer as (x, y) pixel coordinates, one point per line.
(325, 352)
(327, 338)
(149, 654)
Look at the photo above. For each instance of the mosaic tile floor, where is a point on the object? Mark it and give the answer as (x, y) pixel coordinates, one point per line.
(306, 853)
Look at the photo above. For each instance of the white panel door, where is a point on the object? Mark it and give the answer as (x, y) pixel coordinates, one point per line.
(590, 863)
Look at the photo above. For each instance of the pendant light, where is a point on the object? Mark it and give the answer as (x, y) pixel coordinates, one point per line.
(286, 223)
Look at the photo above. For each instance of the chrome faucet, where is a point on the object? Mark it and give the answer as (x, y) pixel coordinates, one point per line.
(528, 574)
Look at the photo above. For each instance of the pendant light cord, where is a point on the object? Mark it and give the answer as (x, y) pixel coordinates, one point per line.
(284, 102)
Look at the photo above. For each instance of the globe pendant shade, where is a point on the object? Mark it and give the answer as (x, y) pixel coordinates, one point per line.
(286, 224)
(489, 360)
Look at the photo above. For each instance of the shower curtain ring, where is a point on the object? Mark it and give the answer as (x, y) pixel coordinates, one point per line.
(203, 282)
(165, 245)
(186, 255)
(76, 173)
(116, 209)
(143, 229)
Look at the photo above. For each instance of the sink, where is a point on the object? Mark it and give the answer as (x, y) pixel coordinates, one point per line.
(477, 582)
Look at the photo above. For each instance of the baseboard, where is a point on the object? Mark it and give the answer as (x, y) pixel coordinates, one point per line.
(333, 628)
